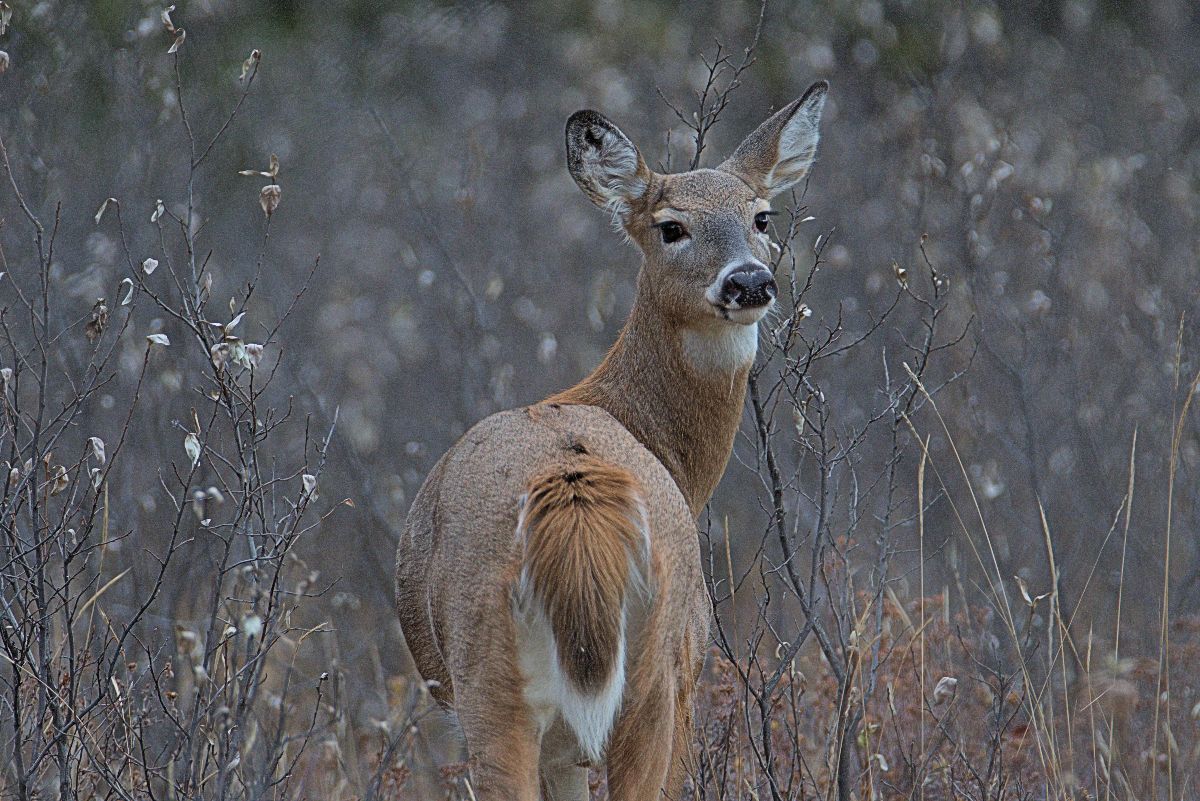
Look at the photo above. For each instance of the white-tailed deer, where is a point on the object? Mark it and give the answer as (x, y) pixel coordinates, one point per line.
(548, 580)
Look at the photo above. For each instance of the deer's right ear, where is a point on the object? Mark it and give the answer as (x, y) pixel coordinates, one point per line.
(605, 164)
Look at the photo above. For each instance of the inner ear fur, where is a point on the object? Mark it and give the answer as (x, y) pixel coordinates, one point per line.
(780, 152)
(605, 164)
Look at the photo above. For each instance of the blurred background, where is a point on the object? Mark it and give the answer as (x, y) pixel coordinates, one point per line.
(1046, 153)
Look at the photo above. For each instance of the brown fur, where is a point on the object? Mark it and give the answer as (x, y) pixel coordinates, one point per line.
(690, 431)
(581, 526)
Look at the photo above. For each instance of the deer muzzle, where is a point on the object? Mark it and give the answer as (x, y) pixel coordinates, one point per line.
(747, 286)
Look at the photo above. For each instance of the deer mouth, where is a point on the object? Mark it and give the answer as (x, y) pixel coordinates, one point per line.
(743, 315)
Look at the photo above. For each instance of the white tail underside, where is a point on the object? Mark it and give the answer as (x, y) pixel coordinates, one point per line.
(550, 693)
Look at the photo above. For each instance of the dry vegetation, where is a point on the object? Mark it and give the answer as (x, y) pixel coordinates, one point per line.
(955, 556)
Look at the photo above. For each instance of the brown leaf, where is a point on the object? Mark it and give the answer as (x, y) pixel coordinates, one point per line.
(254, 353)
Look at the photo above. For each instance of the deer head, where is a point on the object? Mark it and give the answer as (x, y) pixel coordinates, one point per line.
(704, 233)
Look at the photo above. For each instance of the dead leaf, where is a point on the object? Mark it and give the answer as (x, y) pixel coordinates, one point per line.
(104, 208)
(191, 445)
(95, 326)
(1033, 601)
(1024, 590)
(219, 353)
(59, 480)
(945, 689)
(254, 353)
(97, 445)
(250, 63)
(268, 198)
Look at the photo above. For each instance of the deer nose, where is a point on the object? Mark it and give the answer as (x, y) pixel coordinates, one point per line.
(749, 286)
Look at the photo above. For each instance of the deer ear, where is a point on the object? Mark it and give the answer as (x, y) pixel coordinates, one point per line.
(779, 152)
(605, 164)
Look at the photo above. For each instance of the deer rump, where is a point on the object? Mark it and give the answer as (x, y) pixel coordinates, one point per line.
(535, 576)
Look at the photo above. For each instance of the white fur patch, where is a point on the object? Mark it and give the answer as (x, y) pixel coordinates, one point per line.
(721, 348)
(613, 172)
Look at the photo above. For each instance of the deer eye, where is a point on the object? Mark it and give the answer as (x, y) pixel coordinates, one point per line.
(760, 221)
(671, 231)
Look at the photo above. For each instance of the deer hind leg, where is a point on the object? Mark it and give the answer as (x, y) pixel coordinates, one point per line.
(503, 764)
(563, 777)
(565, 783)
(503, 741)
(639, 754)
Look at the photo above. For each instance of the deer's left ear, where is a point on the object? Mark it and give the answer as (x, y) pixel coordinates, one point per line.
(780, 151)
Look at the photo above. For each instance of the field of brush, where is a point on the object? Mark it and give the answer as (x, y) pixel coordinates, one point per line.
(262, 262)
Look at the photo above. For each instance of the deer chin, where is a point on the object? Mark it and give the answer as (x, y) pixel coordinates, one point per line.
(741, 315)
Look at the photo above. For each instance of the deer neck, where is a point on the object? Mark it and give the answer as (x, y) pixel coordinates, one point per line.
(679, 390)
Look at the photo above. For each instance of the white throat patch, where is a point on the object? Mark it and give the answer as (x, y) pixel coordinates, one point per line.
(720, 348)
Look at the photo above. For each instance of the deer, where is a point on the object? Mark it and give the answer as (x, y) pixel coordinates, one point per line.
(548, 577)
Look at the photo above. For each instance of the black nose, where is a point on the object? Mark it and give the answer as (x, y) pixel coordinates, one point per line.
(749, 286)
